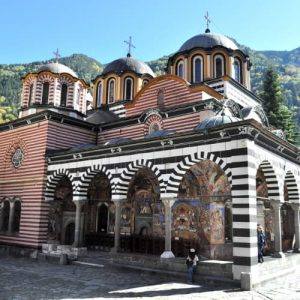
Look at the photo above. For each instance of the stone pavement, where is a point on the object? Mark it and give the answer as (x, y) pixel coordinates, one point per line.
(24, 278)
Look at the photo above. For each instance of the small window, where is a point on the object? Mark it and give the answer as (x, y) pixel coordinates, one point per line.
(111, 91)
(145, 81)
(179, 69)
(30, 94)
(128, 88)
(154, 127)
(45, 95)
(197, 69)
(237, 70)
(160, 98)
(99, 94)
(63, 95)
(219, 67)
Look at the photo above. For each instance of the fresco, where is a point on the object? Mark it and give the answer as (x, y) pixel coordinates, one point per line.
(199, 214)
(261, 185)
(200, 221)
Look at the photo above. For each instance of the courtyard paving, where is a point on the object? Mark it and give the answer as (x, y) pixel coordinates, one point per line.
(25, 278)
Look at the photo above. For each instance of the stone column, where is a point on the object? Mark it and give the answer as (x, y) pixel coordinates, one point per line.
(11, 217)
(118, 204)
(277, 229)
(168, 203)
(296, 208)
(78, 223)
(260, 212)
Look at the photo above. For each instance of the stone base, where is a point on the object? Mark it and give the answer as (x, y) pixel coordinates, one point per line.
(278, 254)
(167, 254)
(58, 250)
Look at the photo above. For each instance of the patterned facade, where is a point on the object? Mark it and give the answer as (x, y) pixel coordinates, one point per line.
(182, 158)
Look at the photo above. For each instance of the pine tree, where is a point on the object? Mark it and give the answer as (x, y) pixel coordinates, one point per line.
(279, 115)
(272, 97)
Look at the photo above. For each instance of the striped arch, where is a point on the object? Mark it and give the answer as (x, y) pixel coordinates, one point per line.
(88, 176)
(271, 180)
(53, 180)
(187, 163)
(292, 187)
(128, 173)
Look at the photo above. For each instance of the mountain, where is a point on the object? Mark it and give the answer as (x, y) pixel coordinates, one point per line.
(287, 64)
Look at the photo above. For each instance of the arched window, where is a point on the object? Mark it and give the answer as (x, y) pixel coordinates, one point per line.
(219, 67)
(63, 95)
(128, 88)
(179, 69)
(237, 70)
(99, 94)
(5, 216)
(111, 91)
(197, 69)
(30, 94)
(45, 95)
(17, 216)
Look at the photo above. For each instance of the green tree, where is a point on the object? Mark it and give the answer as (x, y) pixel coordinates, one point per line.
(279, 115)
(272, 97)
(7, 113)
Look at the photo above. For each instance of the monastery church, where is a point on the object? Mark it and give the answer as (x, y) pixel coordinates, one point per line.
(159, 165)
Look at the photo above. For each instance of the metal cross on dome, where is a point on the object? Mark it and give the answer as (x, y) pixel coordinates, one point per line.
(130, 45)
(208, 20)
(56, 54)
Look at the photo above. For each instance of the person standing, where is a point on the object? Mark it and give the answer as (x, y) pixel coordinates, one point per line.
(191, 262)
(261, 242)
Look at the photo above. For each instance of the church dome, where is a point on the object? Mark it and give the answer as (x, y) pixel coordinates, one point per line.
(126, 64)
(57, 68)
(216, 121)
(101, 117)
(208, 40)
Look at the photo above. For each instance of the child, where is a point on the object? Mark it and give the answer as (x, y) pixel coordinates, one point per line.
(191, 262)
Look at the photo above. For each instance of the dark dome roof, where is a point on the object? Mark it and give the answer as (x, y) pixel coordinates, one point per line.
(216, 121)
(57, 68)
(208, 40)
(101, 117)
(128, 63)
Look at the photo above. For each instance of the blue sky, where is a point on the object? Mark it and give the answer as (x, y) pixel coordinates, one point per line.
(32, 29)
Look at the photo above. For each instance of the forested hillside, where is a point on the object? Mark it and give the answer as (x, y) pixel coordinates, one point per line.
(286, 63)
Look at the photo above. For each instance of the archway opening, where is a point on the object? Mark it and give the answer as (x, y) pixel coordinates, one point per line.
(61, 212)
(99, 214)
(202, 215)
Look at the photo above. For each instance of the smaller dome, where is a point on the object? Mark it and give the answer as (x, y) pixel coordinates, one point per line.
(57, 68)
(128, 63)
(208, 40)
(101, 117)
(216, 121)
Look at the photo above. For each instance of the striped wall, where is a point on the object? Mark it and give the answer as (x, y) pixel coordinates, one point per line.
(176, 92)
(138, 131)
(292, 187)
(29, 181)
(239, 159)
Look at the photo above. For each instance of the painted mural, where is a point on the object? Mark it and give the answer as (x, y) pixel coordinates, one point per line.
(199, 214)
(62, 203)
